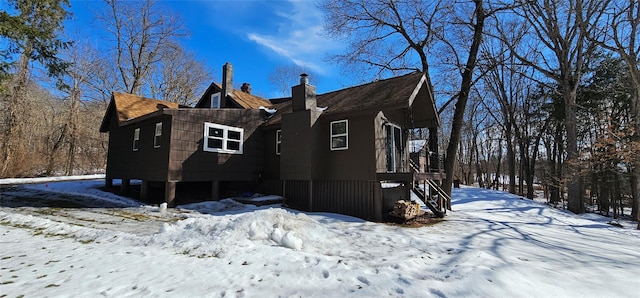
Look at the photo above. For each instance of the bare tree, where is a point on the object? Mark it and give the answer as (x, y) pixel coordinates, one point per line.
(476, 21)
(142, 34)
(84, 64)
(179, 77)
(386, 35)
(621, 34)
(285, 76)
(562, 28)
(508, 81)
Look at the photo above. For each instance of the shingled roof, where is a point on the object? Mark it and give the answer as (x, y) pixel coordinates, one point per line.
(248, 101)
(242, 99)
(393, 93)
(128, 106)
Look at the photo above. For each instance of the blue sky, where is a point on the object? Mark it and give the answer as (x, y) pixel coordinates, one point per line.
(254, 36)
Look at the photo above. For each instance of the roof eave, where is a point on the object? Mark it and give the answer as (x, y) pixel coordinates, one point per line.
(143, 118)
(104, 126)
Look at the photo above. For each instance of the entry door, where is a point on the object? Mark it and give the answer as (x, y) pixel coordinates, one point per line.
(394, 147)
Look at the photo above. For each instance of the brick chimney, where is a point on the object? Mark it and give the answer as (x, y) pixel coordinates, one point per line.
(303, 96)
(227, 80)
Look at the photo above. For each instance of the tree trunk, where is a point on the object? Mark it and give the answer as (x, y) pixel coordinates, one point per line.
(574, 197)
(511, 157)
(56, 146)
(73, 130)
(604, 195)
(635, 106)
(556, 167)
(458, 116)
(12, 132)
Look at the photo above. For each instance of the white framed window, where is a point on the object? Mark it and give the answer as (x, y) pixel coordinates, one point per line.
(215, 100)
(136, 139)
(340, 135)
(158, 135)
(222, 138)
(278, 141)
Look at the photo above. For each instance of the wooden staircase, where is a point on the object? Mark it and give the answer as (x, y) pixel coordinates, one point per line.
(431, 203)
(435, 202)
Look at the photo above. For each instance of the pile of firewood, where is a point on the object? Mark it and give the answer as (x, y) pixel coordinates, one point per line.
(406, 210)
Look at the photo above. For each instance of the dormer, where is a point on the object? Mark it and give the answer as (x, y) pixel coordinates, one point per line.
(224, 96)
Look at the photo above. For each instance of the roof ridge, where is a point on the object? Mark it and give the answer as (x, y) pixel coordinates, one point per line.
(373, 82)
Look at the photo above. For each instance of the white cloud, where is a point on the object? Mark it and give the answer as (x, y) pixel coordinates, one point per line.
(299, 37)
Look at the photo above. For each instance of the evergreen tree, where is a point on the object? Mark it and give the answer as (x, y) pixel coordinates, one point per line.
(31, 35)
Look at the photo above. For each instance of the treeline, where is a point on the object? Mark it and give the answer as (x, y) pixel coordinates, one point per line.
(55, 85)
(517, 143)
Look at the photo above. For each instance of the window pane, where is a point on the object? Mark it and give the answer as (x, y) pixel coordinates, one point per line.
(231, 145)
(215, 132)
(397, 134)
(338, 128)
(214, 143)
(156, 141)
(339, 142)
(233, 135)
(278, 135)
(215, 101)
(278, 148)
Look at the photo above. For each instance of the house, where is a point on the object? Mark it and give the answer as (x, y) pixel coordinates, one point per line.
(333, 152)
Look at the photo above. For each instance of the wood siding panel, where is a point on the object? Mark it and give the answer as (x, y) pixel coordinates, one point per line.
(147, 163)
(189, 162)
(355, 163)
(271, 168)
(296, 194)
(357, 198)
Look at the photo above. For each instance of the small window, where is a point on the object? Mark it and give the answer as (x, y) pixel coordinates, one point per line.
(278, 141)
(339, 135)
(215, 100)
(222, 138)
(158, 135)
(136, 139)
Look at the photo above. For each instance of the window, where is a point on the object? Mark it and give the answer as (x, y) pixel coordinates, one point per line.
(222, 138)
(278, 141)
(339, 135)
(394, 146)
(215, 100)
(136, 139)
(158, 135)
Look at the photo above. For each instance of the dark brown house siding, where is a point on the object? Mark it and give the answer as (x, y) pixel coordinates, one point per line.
(357, 198)
(145, 163)
(271, 168)
(316, 178)
(354, 163)
(189, 162)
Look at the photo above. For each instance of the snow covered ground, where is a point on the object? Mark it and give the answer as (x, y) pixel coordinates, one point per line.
(492, 245)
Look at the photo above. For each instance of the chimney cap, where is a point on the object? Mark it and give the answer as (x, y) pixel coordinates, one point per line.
(304, 78)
